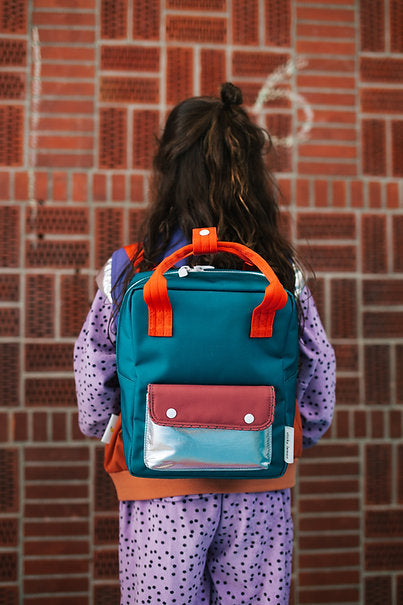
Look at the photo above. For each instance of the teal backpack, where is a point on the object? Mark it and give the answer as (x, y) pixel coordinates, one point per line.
(207, 362)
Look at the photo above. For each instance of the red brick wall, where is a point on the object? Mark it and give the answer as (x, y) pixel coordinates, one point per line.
(78, 112)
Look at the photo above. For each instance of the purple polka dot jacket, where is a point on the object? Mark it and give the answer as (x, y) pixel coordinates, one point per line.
(98, 393)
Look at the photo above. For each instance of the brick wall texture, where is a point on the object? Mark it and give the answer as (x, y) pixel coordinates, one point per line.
(84, 88)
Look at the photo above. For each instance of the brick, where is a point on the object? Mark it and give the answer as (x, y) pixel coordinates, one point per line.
(74, 19)
(377, 419)
(378, 589)
(39, 318)
(106, 593)
(59, 186)
(12, 86)
(383, 556)
(136, 218)
(8, 567)
(54, 492)
(330, 258)
(70, 106)
(9, 322)
(145, 128)
(113, 19)
(324, 151)
(61, 254)
(328, 578)
(54, 220)
(378, 478)
(43, 473)
(277, 21)
(359, 420)
(179, 60)
(146, 19)
(80, 187)
(372, 22)
(19, 426)
(39, 426)
(245, 22)
(67, 89)
(382, 292)
(374, 147)
(397, 142)
(323, 47)
(13, 53)
(33, 586)
(9, 480)
(49, 567)
(118, 187)
(104, 492)
(400, 474)
(326, 226)
(13, 17)
(383, 324)
(382, 100)
(113, 137)
(374, 243)
(4, 186)
(327, 168)
(69, 35)
(70, 124)
(303, 192)
(50, 391)
(343, 423)
(392, 195)
(347, 356)
(357, 194)
(65, 160)
(136, 188)
(74, 303)
(9, 532)
(211, 5)
(258, 64)
(333, 15)
(324, 30)
(330, 81)
(109, 232)
(129, 90)
(331, 523)
(213, 72)
(106, 529)
(395, 20)
(395, 424)
(74, 53)
(57, 454)
(59, 426)
(10, 238)
(329, 559)
(66, 70)
(99, 186)
(52, 528)
(84, 4)
(56, 510)
(399, 377)
(322, 451)
(377, 375)
(374, 69)
(322, 133)
(333, 486)
(397, 243)
(196, 29)
(333, 595)
(344, 308)
(328, 542)
(130, 58)
(348, 390)
(375, 194)
(106, 564)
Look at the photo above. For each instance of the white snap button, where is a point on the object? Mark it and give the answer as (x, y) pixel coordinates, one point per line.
(204, 232)
(249, 418)
(171, 413)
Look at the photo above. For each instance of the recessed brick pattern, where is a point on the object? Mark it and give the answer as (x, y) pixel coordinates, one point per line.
(75, 183)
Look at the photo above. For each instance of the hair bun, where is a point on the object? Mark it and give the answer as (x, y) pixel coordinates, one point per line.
(230, 94)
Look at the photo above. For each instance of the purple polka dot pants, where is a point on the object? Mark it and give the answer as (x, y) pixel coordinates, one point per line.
(212, 549)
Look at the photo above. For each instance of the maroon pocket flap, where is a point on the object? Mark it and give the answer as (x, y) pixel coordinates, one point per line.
(212, 406)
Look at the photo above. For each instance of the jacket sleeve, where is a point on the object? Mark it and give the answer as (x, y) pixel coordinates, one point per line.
(317, 374)
(97, 386)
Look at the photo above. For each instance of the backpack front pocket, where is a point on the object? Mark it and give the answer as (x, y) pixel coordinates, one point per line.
(208, 427)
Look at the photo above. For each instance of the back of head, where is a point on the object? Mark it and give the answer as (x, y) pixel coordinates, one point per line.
(210, 169)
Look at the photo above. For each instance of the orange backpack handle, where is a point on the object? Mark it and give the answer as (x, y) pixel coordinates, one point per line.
(205, 242)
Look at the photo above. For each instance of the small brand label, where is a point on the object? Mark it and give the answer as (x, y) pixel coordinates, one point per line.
(106, 437)
(289, 444)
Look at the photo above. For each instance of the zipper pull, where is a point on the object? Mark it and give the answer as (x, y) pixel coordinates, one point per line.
(202, 267)
(183, 271)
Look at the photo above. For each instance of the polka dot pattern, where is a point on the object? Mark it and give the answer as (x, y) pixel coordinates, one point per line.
(212, 549)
